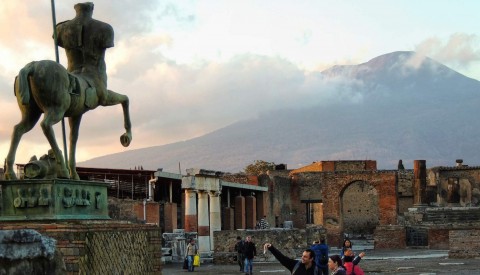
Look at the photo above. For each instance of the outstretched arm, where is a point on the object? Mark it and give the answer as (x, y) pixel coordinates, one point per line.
(358, 258)
(284, 260)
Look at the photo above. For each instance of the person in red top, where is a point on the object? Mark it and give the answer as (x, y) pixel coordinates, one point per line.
(350, 262)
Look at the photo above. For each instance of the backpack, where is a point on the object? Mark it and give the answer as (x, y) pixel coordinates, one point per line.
(324, 259)
(321, 256)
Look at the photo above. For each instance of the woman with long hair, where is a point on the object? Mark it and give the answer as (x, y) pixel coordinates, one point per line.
(346, 245)
(336, 266)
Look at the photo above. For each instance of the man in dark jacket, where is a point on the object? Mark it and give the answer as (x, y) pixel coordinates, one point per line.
(306, 266)
(250, 252)
(240, 256)
(321, 255)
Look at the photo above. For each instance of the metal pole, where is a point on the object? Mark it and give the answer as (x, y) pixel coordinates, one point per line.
(57, 58)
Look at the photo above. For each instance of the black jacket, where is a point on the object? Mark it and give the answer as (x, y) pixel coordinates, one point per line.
(291, 263)
(249, 250)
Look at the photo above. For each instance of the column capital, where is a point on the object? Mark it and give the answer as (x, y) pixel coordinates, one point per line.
(214, 193)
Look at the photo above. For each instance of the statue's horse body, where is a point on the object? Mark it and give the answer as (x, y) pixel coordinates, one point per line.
(46, 87)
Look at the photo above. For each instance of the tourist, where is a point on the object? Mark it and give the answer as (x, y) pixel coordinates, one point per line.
(336, 266)
(250, 252)
(240, 256)
(350, 262)
(263, 224)
(305, 266)
(321, 255)
(346, 244)
(190, 253)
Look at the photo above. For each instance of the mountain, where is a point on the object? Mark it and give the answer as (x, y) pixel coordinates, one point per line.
(396, 106)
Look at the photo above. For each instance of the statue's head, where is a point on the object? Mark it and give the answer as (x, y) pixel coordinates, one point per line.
(84, 8)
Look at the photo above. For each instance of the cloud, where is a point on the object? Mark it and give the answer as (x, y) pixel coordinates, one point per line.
(460, 50)
(172, 100)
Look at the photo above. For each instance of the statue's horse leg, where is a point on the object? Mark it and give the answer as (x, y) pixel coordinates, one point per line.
(30, 116)
(114, 99)
(51, 118)
(74, 131)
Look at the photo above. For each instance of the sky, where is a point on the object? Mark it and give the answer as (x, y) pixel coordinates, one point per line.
(191, 67)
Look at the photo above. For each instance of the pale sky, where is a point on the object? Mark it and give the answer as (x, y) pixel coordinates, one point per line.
(191, 67)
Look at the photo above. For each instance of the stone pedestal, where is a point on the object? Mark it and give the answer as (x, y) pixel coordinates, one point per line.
(53, 199)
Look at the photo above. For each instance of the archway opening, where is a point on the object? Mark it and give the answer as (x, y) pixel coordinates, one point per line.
(359, 210)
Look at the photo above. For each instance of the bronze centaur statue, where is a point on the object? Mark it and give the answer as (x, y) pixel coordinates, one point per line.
(47, 87)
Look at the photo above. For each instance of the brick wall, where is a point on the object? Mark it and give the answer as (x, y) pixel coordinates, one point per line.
(464, 243)
(123, 209)
(390, 237)
(438, 238)
(330, 188)
(152, 211)
(103, 247)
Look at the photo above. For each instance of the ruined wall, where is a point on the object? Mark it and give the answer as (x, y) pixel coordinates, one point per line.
(123, 209)
(291, 242)
(444, 179)
(405, 191)
(338, 165)
(390, 237)
(330, 187)
(355, 165)
(464, 243)
(438, 238)
(151, 214)
(277, 200)
(102, 247)
(359, 209)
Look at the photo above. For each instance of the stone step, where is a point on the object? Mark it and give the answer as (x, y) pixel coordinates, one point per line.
(452, 216)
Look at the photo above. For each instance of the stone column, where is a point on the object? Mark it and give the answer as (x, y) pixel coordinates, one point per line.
(239, 212)
(419, 182)
(215, 215)
(190, 211)
(228, 219)
(261, 206)
(250, 212)
(203, 223)
(170, 216)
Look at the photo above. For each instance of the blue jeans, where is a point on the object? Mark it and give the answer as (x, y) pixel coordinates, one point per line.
(190, 263)
(248, 265)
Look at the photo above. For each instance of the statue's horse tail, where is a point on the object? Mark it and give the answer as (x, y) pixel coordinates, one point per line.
(23, 91)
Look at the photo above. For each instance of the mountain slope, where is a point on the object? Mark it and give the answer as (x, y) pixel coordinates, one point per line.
(395, 106)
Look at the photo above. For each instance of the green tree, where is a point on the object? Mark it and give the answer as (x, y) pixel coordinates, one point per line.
(259, 167)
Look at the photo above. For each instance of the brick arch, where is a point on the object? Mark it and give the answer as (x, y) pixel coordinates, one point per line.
(359, 208)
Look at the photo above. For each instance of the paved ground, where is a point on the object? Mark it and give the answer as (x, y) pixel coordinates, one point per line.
(404, 261)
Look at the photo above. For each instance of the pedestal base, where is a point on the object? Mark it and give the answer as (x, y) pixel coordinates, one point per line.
(53, 199)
